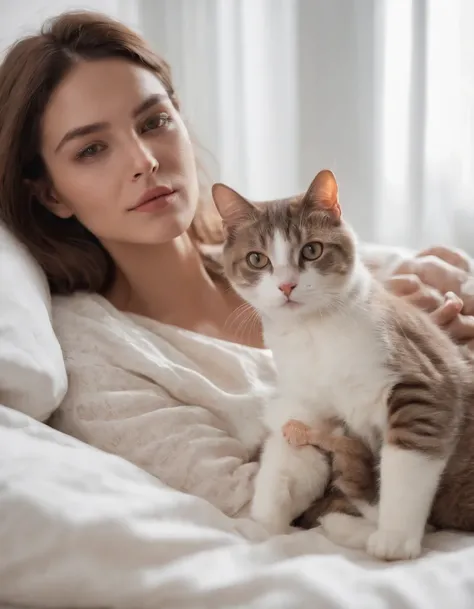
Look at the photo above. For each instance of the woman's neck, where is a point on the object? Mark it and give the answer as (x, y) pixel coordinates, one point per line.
(160, 281)
(170, 283)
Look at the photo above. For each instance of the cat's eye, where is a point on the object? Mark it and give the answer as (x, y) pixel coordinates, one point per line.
(312, 251)
(257, 260)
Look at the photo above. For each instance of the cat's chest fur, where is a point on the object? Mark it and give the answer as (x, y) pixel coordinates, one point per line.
(331, 367)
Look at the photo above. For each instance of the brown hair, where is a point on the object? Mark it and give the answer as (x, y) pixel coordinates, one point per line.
(72, 258)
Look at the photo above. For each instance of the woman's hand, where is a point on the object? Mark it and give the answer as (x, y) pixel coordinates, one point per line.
(412, 288)
(445, 309)
(449, 317)
(445, 270)
(456, 258)
(435, 273)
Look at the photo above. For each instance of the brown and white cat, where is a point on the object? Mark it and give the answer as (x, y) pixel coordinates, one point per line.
(346, 348)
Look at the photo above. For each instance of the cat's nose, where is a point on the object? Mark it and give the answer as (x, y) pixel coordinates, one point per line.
(287, 288)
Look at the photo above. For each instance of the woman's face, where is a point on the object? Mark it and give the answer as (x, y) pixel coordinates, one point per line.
(111, 140)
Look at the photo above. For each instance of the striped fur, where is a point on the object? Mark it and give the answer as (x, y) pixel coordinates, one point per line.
(429, 409)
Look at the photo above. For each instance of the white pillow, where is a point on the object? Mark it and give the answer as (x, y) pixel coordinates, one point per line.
(32, 371)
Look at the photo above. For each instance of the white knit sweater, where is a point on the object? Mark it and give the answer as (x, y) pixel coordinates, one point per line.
(183, 406)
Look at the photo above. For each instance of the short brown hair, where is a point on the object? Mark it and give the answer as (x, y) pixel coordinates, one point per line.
(72, 258)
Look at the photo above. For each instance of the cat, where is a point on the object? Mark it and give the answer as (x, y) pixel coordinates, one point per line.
(344, 347)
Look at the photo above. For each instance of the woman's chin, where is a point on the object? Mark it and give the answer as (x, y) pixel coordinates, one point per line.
(157, 231)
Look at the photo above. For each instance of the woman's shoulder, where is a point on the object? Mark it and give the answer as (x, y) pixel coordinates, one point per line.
(94, 333)
(80, 309)
(83, 322)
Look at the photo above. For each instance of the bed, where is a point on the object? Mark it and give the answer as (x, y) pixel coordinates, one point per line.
(82, 528)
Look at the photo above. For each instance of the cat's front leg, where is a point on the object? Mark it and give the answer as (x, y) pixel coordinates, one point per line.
(288, 481)
(408, 483)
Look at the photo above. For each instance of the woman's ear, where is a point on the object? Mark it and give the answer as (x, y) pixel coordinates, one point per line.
(47, 196)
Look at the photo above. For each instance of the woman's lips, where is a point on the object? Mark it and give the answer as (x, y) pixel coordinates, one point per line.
(156, 202)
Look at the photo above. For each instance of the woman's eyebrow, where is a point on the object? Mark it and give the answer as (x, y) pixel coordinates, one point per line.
(77, 132)
(81, 132)
(149, 102)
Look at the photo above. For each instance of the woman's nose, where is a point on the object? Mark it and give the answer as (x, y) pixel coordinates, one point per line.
(144, 162)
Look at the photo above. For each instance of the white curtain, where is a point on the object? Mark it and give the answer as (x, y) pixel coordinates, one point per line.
(234, 66)
(381, 91)
(275, 90)
(426, 136)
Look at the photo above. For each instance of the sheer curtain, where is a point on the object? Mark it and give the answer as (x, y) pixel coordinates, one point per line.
(381, 91)
(426, 131)
(235, 69)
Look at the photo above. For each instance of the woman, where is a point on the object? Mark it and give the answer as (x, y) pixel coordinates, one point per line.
(98, 178)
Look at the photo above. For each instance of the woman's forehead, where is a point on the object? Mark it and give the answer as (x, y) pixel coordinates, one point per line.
(99, 91)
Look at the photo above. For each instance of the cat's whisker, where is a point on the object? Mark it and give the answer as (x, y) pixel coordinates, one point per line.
(237, 314)
(241, 317)
(236, 319)
(256, 321)
(245, 326)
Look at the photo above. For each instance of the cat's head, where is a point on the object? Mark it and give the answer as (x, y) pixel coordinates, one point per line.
(290, 256)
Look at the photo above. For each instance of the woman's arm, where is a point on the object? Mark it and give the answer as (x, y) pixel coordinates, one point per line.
(442, 283)
(438, 280)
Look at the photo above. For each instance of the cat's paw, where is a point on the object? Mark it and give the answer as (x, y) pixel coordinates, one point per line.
(393, 545)
(273, 526)
(346, 530)
(274, 521)
(295, 433)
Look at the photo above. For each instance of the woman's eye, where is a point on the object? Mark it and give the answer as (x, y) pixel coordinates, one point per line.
(312, 251)
(90, 151)
(257, 260)
(156, 122)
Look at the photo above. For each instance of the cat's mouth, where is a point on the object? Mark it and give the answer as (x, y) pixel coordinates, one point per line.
(291, 304)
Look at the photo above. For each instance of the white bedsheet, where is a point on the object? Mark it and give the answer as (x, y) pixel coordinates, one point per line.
(81, 528)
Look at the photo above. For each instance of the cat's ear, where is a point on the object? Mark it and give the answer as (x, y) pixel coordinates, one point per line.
(232, 207)
(324, 195)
